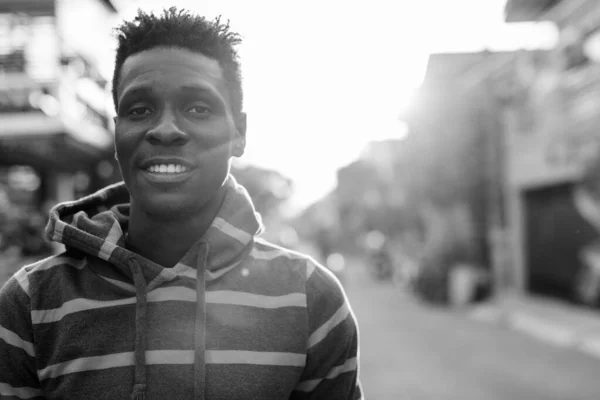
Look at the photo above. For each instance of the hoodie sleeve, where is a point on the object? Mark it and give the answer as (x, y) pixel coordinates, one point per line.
(331, 370)
(18, 374)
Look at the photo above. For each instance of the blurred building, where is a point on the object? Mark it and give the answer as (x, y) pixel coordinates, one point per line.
(383, 155)
(54, 108)
(357, 187)
(526, 122)
(453, 164)
(364, 188)
(56, 128)
(551, 136)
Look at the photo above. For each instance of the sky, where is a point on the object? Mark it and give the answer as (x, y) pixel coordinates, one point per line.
(322, 78)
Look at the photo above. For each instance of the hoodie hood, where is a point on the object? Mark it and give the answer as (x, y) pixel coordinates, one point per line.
(97, 224)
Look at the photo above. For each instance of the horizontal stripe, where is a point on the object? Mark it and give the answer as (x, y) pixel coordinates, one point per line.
(73, 306)
(322, 332)
(82, 304)
(256, 300)
(20, 392)
(170, 357)
(176, 293)
(230, 230)
(14, 340)
(22, 275)
(255, 358)
(309, 385)
(88, 364)
(186, 271)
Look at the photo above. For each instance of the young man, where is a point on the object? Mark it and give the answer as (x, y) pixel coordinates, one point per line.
(165, 290)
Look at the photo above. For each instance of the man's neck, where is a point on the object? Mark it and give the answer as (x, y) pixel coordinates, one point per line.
(165, 242)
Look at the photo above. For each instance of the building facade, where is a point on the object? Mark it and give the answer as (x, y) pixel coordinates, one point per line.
(551, 138)
(454, 161)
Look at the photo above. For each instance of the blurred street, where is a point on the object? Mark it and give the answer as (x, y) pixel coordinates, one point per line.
(417, 352)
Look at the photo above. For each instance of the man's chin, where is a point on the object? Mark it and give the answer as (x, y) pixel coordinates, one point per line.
(168, 203)
(168, 207)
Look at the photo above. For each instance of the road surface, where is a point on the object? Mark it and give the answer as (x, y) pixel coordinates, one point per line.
(418, 352)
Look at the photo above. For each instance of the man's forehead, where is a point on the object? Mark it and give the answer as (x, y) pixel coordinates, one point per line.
(181, 63)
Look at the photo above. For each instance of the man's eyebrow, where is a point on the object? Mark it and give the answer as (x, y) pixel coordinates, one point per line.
(137, 90)
(204, 90)
(198, 89)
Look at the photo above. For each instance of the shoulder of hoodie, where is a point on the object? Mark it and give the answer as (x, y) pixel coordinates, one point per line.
(316, 277)
(42, 270)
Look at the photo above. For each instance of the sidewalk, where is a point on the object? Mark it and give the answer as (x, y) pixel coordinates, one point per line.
(553, 321)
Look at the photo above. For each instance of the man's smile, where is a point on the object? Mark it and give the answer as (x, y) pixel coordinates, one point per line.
(167, 169)
(161, 170)
(167, 177)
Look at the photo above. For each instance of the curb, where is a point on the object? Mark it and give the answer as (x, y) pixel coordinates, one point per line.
(540, 329)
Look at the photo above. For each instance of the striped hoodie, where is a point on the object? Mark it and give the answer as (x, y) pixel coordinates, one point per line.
(236, 318)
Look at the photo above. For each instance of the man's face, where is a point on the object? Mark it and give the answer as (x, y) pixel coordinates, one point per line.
(175, 130)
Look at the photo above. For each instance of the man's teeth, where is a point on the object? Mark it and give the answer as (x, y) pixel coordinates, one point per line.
(167, 168)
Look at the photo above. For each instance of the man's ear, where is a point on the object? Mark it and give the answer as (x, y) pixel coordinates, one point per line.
(240, 137)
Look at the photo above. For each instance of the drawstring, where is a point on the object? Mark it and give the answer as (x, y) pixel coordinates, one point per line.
(139, 387)
(200, 326)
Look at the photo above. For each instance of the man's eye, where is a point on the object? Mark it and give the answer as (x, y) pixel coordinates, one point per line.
(199, 110)
(140, 111)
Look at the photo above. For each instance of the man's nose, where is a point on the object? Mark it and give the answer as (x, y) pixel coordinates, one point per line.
(166, 132)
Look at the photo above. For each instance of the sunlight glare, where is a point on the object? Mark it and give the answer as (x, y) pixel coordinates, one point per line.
(322, 79)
